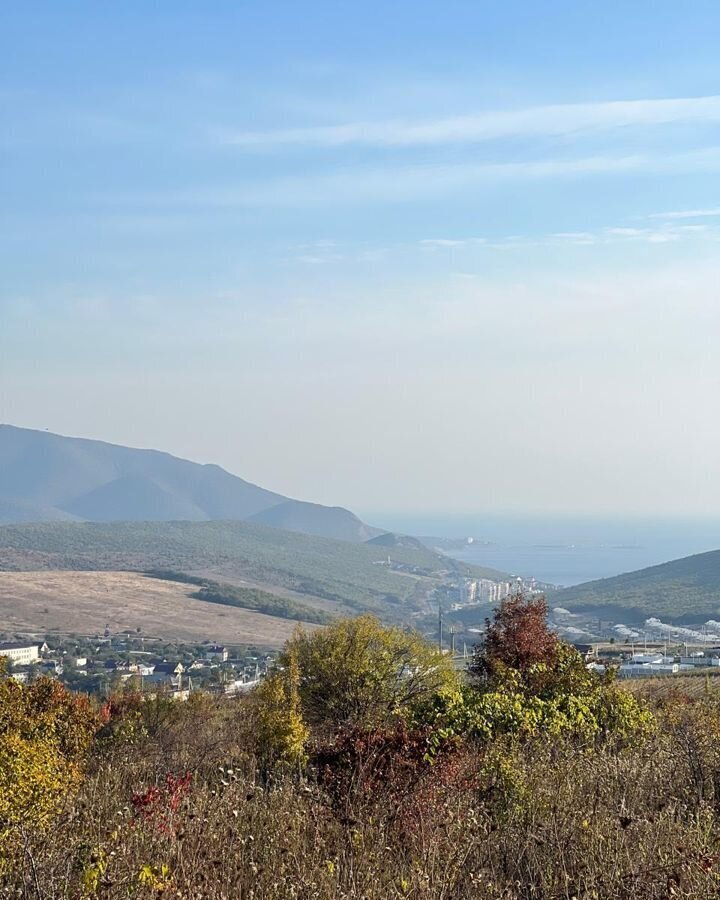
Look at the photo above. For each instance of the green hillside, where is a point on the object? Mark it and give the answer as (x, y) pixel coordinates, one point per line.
(684, 590)
(356, 575)
(244, 598)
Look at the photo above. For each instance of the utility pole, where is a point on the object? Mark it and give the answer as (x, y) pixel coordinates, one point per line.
(440, 627)
(452, 642)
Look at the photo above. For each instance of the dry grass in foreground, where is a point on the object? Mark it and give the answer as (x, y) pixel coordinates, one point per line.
(542, 820)
(363, 769)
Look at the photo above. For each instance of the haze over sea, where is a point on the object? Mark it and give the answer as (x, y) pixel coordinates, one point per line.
(563, 550)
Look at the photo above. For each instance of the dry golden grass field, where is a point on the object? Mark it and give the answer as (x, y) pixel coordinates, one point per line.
(88, 602)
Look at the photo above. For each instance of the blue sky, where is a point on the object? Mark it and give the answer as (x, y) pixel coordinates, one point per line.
(407, 256)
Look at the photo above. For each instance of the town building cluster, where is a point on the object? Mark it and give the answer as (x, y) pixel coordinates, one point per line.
(484, 590)
(650, 662)
(641, 665)
(109, 662)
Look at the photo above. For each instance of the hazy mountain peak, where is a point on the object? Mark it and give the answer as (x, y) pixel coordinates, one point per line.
(50, 477)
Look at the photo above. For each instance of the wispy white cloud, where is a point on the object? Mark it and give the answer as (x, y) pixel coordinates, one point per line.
(465, 249)
(559, 119)
(602, 236)
(394, 183)
(317, 260)
(575, 237)
(688, 214)
(451, 242)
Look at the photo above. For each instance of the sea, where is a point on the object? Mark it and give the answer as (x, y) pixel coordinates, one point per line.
(562, 551)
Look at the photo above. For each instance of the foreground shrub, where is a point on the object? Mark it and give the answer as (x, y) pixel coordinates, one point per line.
(506, 820)
(45, 733)
(282, 733)
(359, 673)
(606, 713)
(526, 681)
(517, 637)
(362, 769)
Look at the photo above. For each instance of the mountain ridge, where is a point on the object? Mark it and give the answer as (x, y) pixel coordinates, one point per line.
(51, 477)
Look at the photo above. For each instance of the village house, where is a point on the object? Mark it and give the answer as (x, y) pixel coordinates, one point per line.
(217, 653)
(52, 667)
(169, 668)
(166, 675)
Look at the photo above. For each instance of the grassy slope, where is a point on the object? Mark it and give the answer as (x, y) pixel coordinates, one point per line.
(685, 589)
(88, 602)
(350, 573)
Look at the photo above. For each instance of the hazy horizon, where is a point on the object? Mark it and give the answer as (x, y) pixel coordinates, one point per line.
(457, 258)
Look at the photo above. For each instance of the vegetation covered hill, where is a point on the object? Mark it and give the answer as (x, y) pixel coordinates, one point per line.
(355, 575)
(245, 598)
(392, 540)
(312, 518)
(48, 477)
(684, 591)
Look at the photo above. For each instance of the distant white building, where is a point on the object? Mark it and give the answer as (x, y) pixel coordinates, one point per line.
(22, 654)
(238, 686)
(493, 591)
(467, 592)
(645, 670)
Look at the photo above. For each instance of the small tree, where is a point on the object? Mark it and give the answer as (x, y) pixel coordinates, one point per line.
(516, 638)
(520, 652)
(282, 733)
(45, 734)
(529, 682)
(356, 672)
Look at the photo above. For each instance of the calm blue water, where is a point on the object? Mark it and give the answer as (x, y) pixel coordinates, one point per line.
(563, 551)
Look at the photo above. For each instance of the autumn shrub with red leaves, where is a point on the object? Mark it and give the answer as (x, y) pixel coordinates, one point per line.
(158, 805)
(390, 769)
(119, 705)
(517, 637)
(362, 761)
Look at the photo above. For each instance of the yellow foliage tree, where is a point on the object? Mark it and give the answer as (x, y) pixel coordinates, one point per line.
(357, 672)
(45, 733)
(282, 733)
